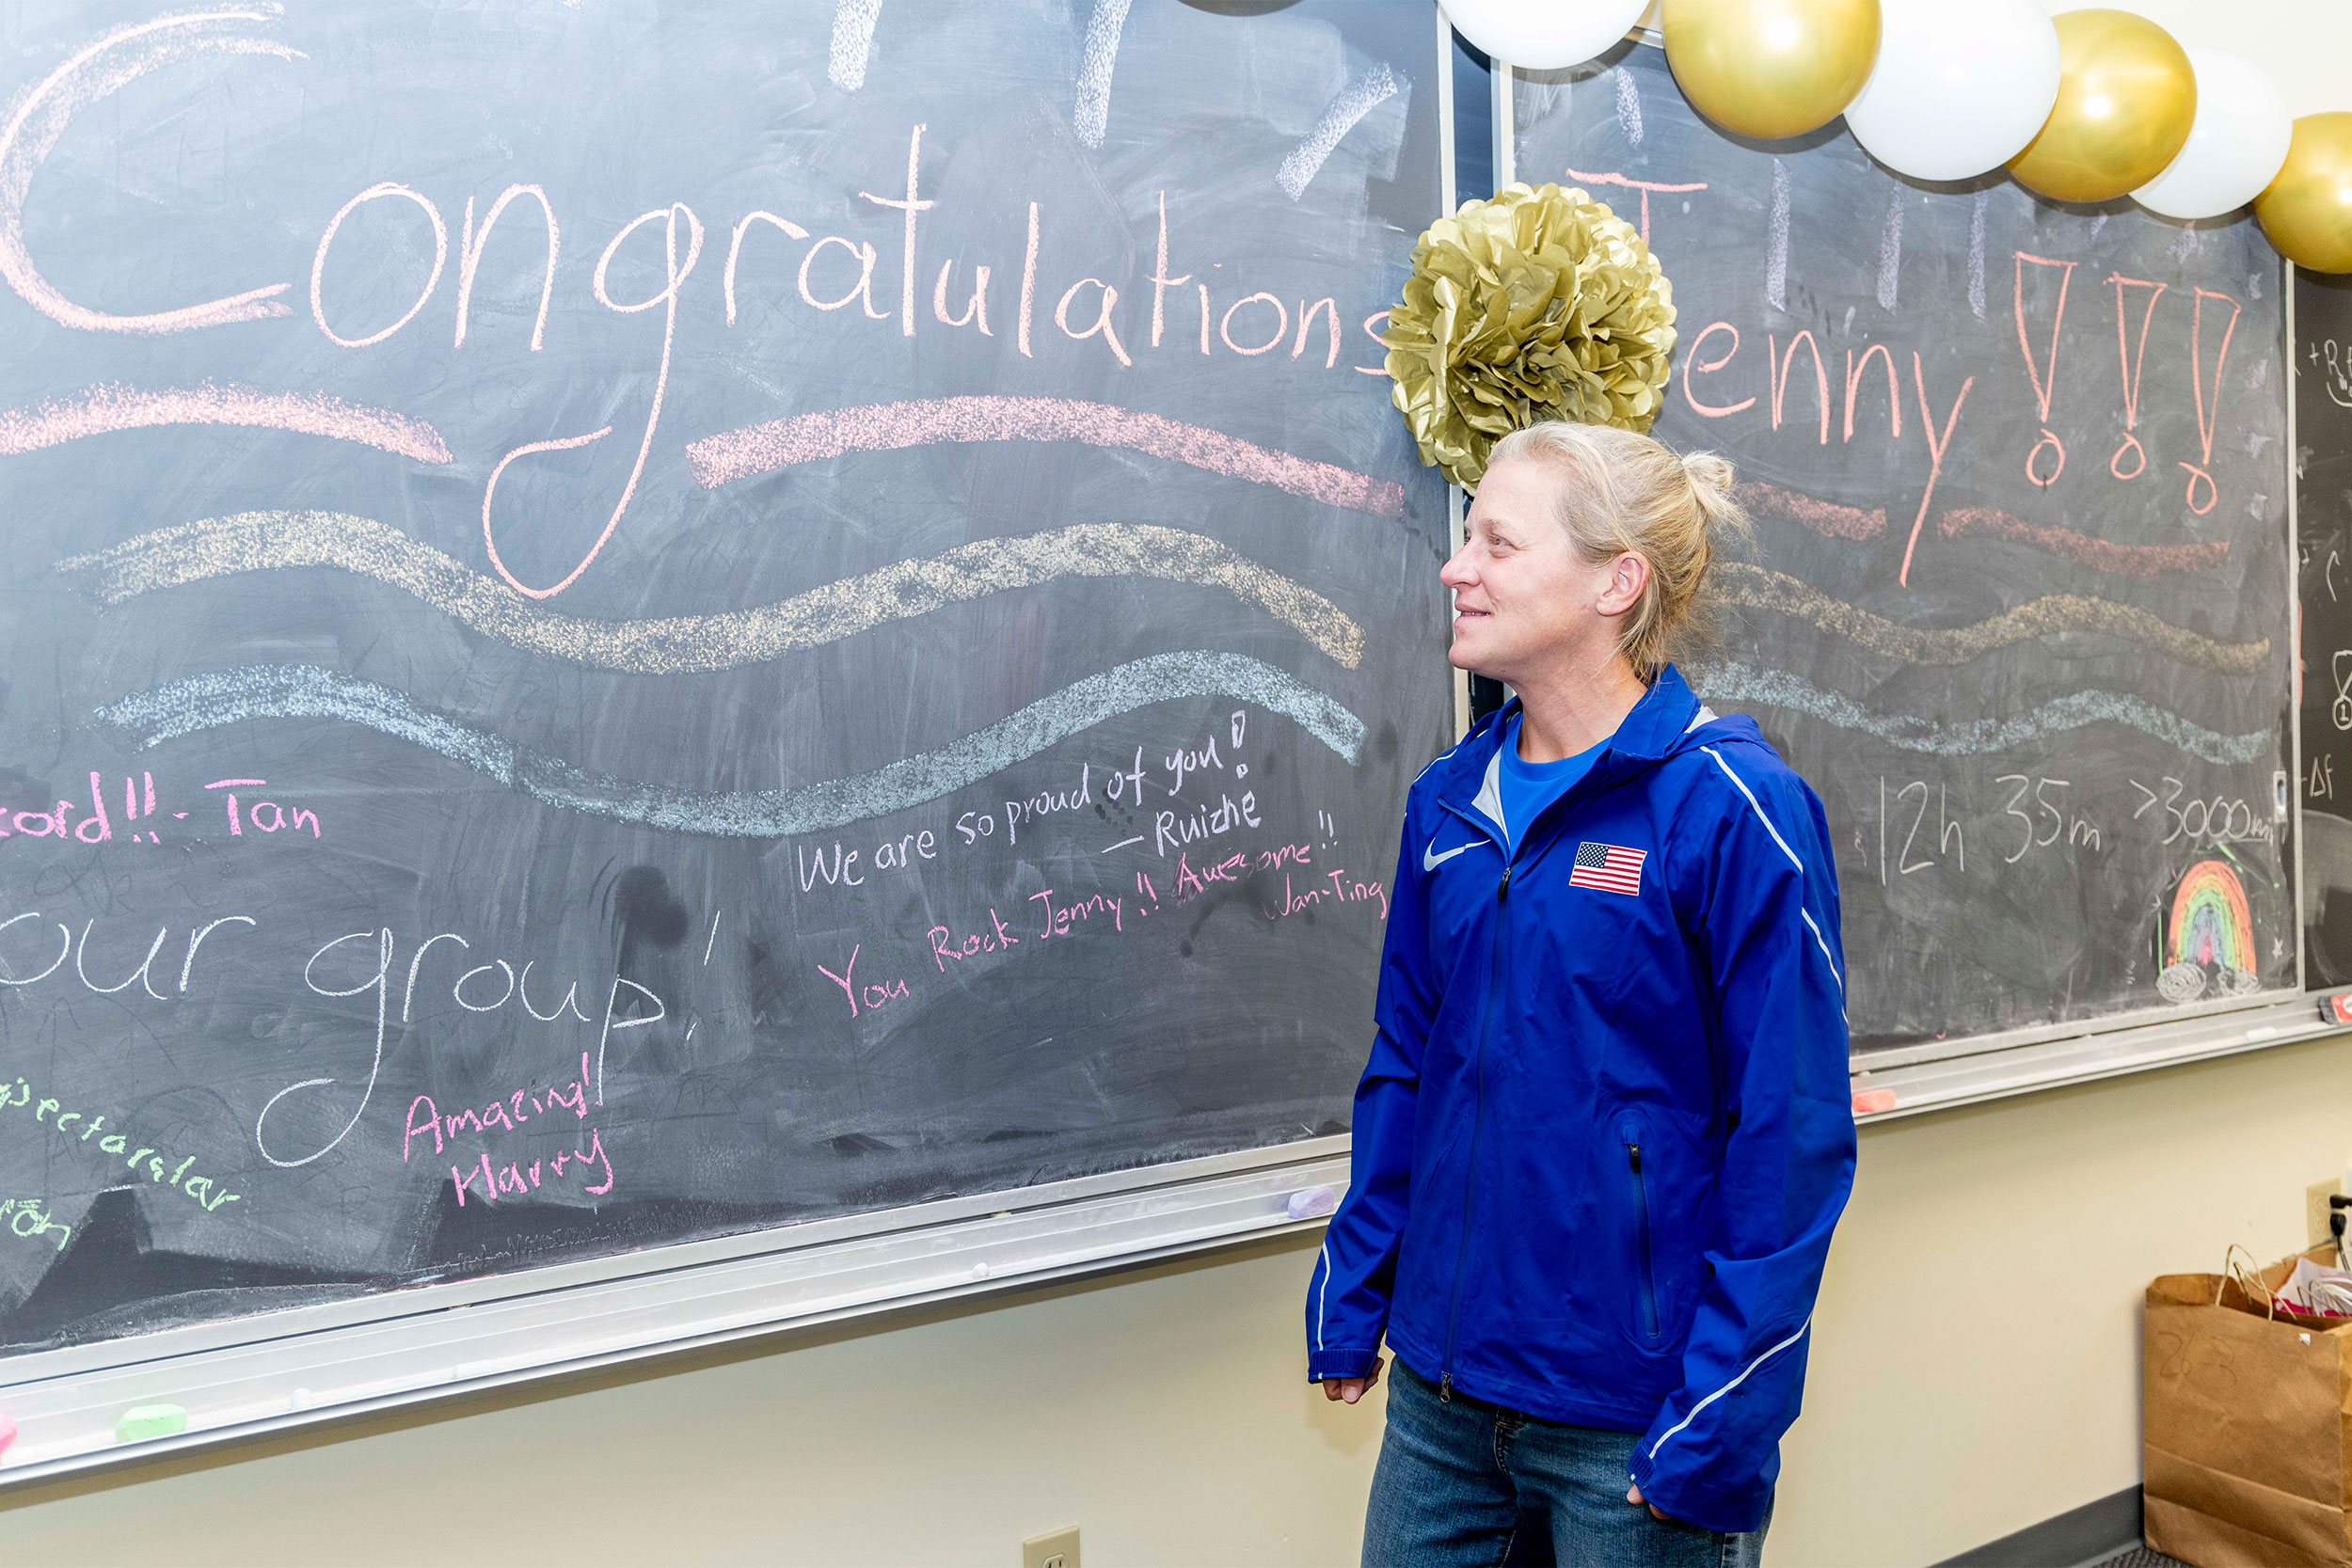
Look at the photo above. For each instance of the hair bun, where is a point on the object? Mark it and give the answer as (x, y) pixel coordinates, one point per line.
(1614, 491)
(1706, 468)
(1710, 478)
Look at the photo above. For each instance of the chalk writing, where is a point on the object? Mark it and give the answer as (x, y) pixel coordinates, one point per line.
(140, 1160)
(26, 1217)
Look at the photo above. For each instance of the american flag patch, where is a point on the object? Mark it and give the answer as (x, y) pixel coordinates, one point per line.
(1611, 867)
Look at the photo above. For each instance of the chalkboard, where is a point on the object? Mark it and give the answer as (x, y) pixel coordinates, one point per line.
(2019, 607)
(626, 623)
(2322, 362)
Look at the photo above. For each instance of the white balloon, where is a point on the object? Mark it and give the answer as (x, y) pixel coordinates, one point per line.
(1543, 34)
(1959, 88)
(2236, 144)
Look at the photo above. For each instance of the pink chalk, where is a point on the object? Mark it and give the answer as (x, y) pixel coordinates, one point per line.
(761, 449)
(1312, 1203)
(1835, 521)
(7, 1434)
(39, 116)
(102, 409)
(2133, 559)
(1824, 517)
(1865, 1101)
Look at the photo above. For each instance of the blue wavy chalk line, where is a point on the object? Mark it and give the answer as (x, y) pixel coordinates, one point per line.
(209, 702)
(1742, 682)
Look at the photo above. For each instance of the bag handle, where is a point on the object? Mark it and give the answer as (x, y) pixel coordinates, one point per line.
(2249, 1276)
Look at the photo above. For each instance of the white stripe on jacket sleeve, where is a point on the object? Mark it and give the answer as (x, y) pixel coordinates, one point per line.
(1727, 1387)
(1761, 816)
(1323, 1292)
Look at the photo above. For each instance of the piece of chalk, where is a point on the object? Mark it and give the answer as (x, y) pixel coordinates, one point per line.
(1310, 1203)
(144, 1422)
(7, 1434)
(1866, 1102)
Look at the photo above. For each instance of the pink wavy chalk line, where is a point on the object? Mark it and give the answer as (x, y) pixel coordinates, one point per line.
(761, 449)
(101, 409)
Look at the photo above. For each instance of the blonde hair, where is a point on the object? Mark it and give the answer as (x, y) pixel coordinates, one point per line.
(1622, 493)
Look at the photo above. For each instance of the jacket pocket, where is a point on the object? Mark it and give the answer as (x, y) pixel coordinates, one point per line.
(1644, 1275)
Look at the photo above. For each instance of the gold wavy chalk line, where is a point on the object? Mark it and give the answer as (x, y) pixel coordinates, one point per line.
(1756, 588)
(681, 644)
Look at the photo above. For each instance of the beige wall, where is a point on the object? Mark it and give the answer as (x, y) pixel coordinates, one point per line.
(1977, 1367)
(1975, 1371)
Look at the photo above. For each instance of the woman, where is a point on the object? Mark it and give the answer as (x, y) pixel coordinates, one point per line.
(1605, 1130)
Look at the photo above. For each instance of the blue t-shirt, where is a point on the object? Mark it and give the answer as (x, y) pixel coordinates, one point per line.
(1529, 787)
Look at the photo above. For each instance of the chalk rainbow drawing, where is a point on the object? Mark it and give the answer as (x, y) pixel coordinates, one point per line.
(2209, 926)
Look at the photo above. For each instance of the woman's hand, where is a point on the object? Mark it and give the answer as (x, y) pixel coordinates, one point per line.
(1633, 1496)
(1347, 1390)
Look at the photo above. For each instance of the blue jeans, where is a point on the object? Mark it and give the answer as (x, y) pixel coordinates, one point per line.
(1464, 1482)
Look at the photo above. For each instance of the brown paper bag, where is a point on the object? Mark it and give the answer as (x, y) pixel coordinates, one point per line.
(2247, 1411)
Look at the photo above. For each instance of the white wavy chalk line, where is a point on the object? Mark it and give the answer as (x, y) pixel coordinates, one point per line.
(691, 644)
(853, 37)
(1743, 682)
(1356, 99)
(209, 702)
(1092, 116)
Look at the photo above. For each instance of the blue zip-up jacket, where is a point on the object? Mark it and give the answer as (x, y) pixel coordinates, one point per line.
(1606, 1128)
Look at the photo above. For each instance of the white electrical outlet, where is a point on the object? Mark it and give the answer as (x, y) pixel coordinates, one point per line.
(2315, 1199)
(1059, 1549)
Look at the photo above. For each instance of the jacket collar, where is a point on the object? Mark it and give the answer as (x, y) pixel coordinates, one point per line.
(1659, 725)
(1668, 712)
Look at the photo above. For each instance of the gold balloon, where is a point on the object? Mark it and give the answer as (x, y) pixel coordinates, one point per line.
(2307, 212)
(2126, 100)
(1770, 68)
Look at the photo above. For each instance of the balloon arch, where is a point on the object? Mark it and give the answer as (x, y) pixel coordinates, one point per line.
(2083, 107)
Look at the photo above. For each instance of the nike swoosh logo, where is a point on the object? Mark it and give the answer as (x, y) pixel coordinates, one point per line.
(1430, 859)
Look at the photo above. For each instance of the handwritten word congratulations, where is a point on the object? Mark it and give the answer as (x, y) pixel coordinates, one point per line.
(644, 267)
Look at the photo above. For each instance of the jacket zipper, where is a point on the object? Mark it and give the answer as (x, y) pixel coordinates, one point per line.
(1641, 1242)
(1478, 1069)
(1478, 1122)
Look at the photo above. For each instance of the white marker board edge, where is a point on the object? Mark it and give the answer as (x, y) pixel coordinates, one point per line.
(1935, 1074)
(246, 1377)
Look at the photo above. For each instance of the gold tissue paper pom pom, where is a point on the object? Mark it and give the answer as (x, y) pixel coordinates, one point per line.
(1537, 305)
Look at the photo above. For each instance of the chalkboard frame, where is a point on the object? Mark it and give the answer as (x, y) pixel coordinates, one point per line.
(245, 1377)
(1897, 1081)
